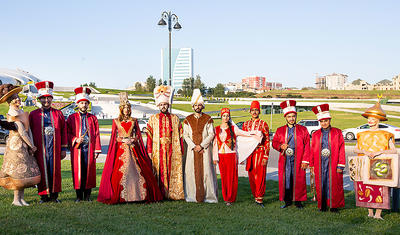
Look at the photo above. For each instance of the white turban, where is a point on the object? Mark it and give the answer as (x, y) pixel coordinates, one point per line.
(162, 94)
(197, 98)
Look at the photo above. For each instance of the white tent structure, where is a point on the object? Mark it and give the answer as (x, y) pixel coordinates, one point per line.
(17, 77)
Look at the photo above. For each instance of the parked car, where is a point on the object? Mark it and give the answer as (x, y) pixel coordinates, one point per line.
(311, 125)
(142, 124)
(351, 133)
(3, 135)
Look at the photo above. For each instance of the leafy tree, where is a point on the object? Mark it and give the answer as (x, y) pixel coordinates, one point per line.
(219, 90)
(91, 84)
(186, 87)
(138, 86)
(150, 83)
(198, 84)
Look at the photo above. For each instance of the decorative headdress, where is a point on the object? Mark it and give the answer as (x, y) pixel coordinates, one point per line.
(45, 88)
(162, 94)
(376, 111)
(197, 98)
(225, 110)
(322, 112)
(123, 99)
(82, 94)
(288, 106)
(8, 90)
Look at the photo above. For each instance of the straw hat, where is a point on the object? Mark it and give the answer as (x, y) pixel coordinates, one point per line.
(15, 90)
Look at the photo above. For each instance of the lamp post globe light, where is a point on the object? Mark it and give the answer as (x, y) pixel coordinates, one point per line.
(169, 19)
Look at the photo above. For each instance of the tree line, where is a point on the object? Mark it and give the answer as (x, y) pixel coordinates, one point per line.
(189, 84)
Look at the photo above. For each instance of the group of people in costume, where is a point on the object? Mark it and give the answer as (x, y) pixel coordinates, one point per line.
(178, 161)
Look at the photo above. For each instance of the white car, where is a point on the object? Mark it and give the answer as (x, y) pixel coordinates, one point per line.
(311, 125)
(142, 125)
(351, 133)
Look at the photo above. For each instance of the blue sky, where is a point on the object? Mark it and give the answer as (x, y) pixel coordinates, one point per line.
(116, 43)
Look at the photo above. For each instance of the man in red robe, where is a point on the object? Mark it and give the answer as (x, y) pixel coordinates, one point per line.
(328, 160)
(85, 146)
(50, 137)
(257, 162)
(165, 146)
(293, 143)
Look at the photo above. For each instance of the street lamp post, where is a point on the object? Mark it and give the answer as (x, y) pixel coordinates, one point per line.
(167, 18)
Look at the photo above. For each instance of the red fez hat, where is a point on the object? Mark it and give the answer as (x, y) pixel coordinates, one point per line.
(82, 94)
(45, 88)
(255, 105)
(288, 106)
(322, 112)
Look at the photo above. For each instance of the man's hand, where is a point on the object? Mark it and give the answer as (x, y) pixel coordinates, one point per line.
(304, 166)
(215, 162)
(264, 162)
(312, 170)
(197, 148)
(284, 146)
(79, 140)
(340, 171)
(33, 149)
(63, 154)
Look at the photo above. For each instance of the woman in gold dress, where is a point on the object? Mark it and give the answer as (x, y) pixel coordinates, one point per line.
(19, 169)
(373, 143)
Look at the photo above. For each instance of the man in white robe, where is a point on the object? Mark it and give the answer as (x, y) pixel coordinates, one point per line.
(200, 180)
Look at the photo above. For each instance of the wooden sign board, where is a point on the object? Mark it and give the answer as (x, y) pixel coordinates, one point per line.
(382, 170)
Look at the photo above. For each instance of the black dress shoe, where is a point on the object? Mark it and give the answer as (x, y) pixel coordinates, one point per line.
(299, 205)
(285, 206)
(323, 209)
(42, 201)
(260, 204)
(88, 199)
(78, 200)
(334, 210)
(56, 200)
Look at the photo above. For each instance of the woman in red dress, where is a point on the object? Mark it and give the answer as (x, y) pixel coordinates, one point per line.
(225, 154)
(127, 174)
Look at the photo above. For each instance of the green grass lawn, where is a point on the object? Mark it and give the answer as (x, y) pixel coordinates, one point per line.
(179, 217)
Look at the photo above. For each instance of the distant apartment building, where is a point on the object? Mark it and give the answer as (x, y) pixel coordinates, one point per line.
(359, 84)
(273, 86)
(181, 65)
(320, 83)
(396, 82)
(233, 87)
(333, 81)
(254, 82)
